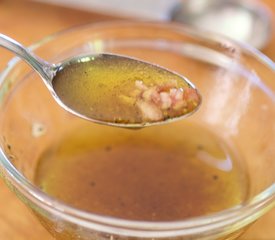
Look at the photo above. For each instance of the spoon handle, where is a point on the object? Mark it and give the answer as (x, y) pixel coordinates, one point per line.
(45, 69)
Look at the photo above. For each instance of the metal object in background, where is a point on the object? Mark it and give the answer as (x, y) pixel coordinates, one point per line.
(243, 20)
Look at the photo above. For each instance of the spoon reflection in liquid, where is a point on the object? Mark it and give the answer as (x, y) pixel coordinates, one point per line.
(112, 89)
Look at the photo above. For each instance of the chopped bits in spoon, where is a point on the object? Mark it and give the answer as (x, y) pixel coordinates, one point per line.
(160, 102)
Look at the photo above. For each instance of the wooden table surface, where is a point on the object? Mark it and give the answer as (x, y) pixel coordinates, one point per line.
(28, 22)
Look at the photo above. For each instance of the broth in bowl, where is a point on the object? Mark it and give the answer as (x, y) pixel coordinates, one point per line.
(165, 173)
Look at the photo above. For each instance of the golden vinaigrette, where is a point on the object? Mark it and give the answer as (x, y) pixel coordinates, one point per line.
(117, 89)
(164, 173)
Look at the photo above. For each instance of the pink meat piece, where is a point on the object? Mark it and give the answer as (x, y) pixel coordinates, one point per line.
(149, 111)
(165, 100)
(155, 101)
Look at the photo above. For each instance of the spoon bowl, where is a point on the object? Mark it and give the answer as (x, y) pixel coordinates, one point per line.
(167, 96)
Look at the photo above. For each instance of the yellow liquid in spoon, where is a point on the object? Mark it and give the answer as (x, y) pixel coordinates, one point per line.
(117, 89)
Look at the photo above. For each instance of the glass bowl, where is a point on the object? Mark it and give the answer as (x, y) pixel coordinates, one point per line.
(238, 91)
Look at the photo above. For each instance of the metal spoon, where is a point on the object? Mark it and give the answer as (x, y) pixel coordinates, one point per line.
(50, 72)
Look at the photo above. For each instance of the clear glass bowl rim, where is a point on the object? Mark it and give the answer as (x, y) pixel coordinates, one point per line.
(242, 215)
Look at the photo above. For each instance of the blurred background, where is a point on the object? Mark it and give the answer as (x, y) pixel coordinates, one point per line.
(249, 21)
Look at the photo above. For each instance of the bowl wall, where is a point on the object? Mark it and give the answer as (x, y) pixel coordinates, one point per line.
(238, 91)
